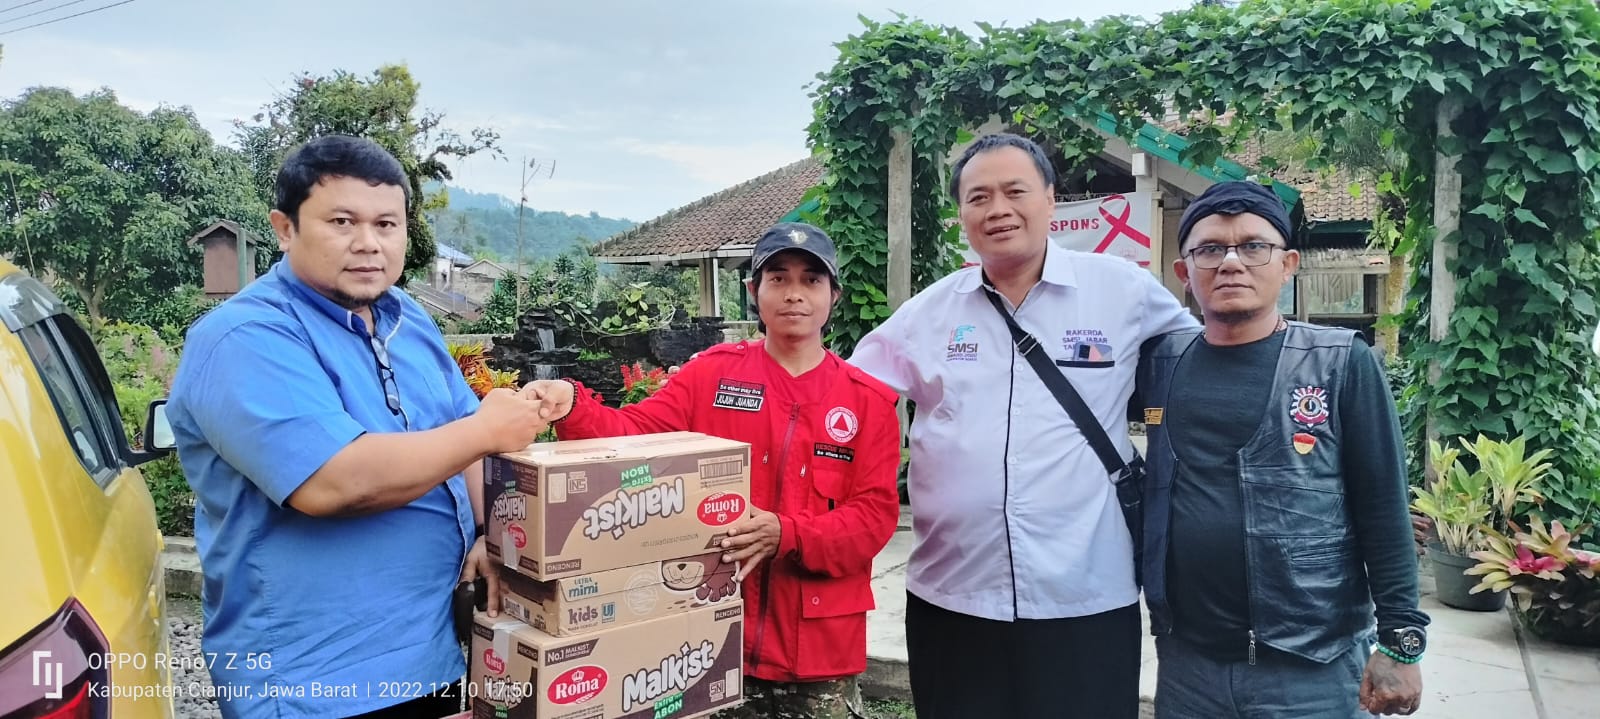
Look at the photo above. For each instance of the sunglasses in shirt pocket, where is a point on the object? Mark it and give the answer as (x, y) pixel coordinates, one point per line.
(467, 597)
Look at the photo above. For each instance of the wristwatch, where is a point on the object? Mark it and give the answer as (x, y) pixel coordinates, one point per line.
(1407, 642)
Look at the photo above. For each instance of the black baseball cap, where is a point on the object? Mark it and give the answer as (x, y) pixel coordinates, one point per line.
(795, 236)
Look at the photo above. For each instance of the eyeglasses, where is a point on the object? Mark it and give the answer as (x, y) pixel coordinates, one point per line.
(1251, 254)
(391, 388)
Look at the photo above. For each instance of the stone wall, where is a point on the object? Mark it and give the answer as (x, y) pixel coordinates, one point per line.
(544, 347)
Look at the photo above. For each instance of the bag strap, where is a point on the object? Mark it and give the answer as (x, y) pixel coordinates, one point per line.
(1064, 392)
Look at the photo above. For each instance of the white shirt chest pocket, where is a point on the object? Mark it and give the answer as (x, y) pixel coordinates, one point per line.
(1088, 349)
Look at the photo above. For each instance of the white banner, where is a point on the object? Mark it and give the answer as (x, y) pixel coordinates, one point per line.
(1114, 225)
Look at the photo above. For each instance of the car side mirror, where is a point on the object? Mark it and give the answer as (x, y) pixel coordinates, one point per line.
(158, 437)
(158, 431)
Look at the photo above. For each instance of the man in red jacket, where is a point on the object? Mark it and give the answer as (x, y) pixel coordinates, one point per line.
(825, 448)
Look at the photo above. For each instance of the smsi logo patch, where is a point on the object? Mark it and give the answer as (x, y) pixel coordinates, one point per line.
(963, 345)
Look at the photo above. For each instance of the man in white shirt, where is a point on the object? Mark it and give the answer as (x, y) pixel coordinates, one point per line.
(1022, 598)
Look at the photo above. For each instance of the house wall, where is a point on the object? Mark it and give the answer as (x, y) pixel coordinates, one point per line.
(442, 273)
(475, 286)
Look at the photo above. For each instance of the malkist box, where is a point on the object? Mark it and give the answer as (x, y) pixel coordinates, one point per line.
(678, 666)
(561, 509)
(576, 605)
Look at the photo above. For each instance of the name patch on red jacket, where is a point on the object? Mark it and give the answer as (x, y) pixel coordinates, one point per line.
(743, 396)
(834, 451)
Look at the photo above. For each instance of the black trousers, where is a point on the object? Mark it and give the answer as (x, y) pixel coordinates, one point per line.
(965, 667)
(439, 704)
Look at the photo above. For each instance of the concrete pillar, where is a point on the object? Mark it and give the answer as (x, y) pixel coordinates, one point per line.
(710, 294)
(899, 285)
(1147, 178)
(1446, 220)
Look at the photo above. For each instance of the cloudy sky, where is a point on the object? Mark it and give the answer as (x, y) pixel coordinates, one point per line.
(642, 106)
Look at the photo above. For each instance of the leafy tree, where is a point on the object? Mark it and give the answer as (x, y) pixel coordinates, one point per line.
(382, 107)
(101, 199)
(1367, 149)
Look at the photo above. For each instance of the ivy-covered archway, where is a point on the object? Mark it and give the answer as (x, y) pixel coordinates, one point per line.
(1507, 91)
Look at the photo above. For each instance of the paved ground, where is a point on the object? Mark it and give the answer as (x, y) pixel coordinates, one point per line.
(901, 709)
(183, 631)
(1478, 664)
(183, 634)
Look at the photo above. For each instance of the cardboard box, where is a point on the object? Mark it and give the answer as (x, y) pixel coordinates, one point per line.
(674, 667)
(561, 509)
(576, 605)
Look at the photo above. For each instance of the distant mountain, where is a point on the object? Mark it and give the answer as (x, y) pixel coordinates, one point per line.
(485, 225)
(461, 199)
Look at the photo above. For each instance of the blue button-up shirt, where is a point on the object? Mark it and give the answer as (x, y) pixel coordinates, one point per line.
(272, 384)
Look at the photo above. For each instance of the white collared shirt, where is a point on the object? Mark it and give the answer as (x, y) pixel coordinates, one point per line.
(1014, 516)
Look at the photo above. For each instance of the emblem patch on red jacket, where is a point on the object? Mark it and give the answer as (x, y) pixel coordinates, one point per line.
(743, 396)
(841, 424)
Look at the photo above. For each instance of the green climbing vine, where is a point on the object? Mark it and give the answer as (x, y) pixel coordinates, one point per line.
(886, 78)
(1525, 72)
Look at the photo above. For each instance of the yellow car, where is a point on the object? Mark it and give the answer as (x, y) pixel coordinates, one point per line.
(82, 595)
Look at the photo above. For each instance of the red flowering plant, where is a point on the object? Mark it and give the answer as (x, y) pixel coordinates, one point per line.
(638, 384)
(1556, 586)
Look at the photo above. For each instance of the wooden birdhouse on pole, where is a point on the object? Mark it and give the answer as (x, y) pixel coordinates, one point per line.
(230, 257)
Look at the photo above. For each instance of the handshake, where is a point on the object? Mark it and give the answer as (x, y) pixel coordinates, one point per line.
(512, 420)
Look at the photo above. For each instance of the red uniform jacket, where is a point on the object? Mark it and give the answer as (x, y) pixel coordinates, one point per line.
(825, 450)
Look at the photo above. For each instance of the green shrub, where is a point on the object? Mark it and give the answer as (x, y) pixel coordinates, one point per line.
(141, 364)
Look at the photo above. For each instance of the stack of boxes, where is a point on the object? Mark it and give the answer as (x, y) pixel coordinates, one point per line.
(619, 604)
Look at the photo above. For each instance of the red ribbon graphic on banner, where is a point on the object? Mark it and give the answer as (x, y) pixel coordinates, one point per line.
(1120, 226)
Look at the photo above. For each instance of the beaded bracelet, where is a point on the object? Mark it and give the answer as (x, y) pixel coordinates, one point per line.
(1392, 654)
(573, 405)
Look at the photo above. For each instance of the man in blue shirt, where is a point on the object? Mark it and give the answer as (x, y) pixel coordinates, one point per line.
(334, 450)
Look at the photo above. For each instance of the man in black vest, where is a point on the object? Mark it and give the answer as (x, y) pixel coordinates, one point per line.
(1276, 526)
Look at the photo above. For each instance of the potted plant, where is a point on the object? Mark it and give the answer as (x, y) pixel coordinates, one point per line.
(1511, 474)
(1468, 507)
(473, 360)
(1457, 502)
(1556, 588)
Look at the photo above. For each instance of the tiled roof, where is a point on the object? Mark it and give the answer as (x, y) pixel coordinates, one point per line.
(1327, 196)
(728, 220)
(442, 302)
(732, 219)
(229, 226)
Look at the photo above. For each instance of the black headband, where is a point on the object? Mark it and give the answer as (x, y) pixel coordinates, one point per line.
(1236, 198)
